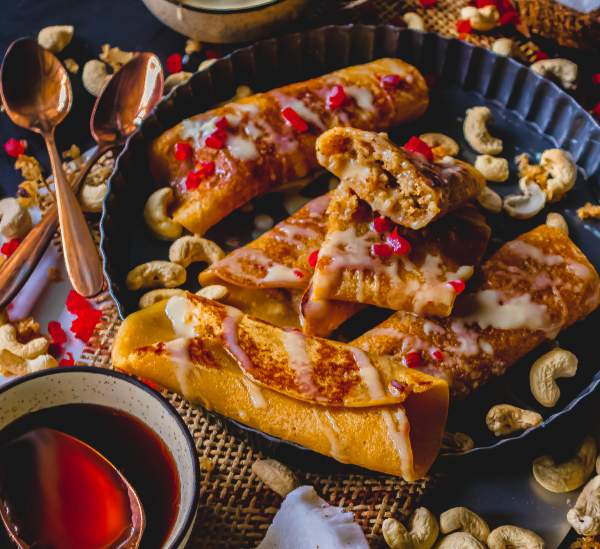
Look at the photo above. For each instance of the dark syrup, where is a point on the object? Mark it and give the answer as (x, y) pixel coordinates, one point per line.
(138, 453)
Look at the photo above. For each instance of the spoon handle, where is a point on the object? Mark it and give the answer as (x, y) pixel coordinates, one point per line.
(80, 253)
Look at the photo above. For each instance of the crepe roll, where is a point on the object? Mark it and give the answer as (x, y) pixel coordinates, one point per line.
(396, 183)
(527, 292)
(245, 148)
(327, 396)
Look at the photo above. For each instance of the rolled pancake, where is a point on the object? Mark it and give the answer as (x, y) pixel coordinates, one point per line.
(420, 281)
(396, 183)
(261, 152)
(527, 292)
(324, 395)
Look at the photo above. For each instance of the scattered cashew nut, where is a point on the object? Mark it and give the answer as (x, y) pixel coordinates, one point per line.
(190, 249)
(585, 516)
(176, 79)
(508, 536)
(423, 528)
(91, 197)
(156, 274)
(490, 200)
(465, 520)
(214, 292)
(395, 534)
(561, 171)
(526, 205)
(154, 296)
(481, 19)
(56, 37)
(503, 46)
(569, 475)
(476, 132)
(554, 364)
(15, 220)
(504, 419)
(563, 70)
(557, 221)
(157, 217)
(31, 349)
(94, 76)
(457, 442)
(460, 540)
(13, 365)
(492, 168)
(414, 21)
(275, 475)
(441, 145)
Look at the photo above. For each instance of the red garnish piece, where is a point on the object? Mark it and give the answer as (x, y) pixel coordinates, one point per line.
(76, 303)
(504, 6)
(56, 332)
(294, 119)
(510, 17)
(183, 151)
(399, 244)
(336, 98)
(313, 258)
(208, 168)
(437, 355)
(458, 285)
(596, 110)
(222, 123)
(69, 360)
(15, 147)
(390, 81)
(216, 140)
(412, 359)
(396, 387)
(382, 224)
(9, 247)
(428, 3)
(212, 54)
(482, 3)
(540, 55)
(193, 179)
(174, 63)
(382, 250)
(84, 325)
(596, 79)
(416, 145)
(463, 26)
(298, 273)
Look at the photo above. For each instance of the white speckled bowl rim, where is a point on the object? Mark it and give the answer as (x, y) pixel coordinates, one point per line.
(90, 385)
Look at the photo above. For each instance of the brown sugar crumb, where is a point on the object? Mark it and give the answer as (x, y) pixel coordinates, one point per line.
(27, 329)
(72, 152)
(54, 274)
(71, 65)
(589, 211)
(115, 57)
(192, 46)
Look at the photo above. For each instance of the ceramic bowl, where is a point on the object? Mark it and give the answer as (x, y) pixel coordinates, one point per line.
(83, 385)
(228, 21)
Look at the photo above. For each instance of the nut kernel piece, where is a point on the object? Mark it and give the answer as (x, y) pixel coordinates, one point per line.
(31, 349)
(463, 519)
(91, 197)
(424, 528)
(156, 215)
(94, 76)
(214, 292)
(490, 200)
(554, 364)
(56, 37)
(155, 274)
(508, 536)
(504, 419)
(561, 173)
(557, 221)
(414, 21)
(191, 249)
(526, 205)
(15, 220)
(460, 540)
(175, 79)
(154, 296)
(569, 475)
(457, 442)
(585, 516)
(503, 46)
(476, 132)
(395, 534)
(563, 70)
(492, 168)
(275, 475)
(441, 145)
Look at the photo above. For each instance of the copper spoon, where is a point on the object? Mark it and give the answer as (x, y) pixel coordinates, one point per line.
(124, 102)
(36, 92)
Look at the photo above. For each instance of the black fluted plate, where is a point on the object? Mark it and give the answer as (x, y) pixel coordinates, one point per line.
(530, 114)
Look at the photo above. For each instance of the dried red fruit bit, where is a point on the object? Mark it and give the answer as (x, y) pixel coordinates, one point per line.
(437, 355)
(298, 273)
(214, 141)
(15, 147)
(541, 55)
(174, 63)
(458, 285)
(212, 54)
(463, 26)
(313, 258)
(416, 145)
(428, 3)
(56, 332)
(412, 359)
(294, 120)
(182, 151)
(382, 224)
(222, 123)
(84, 325)
(596, 79)
(336, 98)
(390, 81)
(510, 17)
(483, 3)
(399, 244)
(10, 246)
(207, 168)
(69, 360)
(76, 303)
(193, 179)
(382, 250)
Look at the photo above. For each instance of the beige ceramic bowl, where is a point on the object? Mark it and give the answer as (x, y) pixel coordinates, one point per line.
(225, 21)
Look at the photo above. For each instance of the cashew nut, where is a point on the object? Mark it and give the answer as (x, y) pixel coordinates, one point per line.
(563, 70)
(192, 248)
(492, 168)
(15, 221)
(157, 217)
(13, 365)
(424, 528)
(275, 475)
(457, 442)
(94, 76)
(503, 46)
(477, 134)
(557, 221)
(585, 516)
(526, 205)
(91, 197)
(395, 534)
(504, 419)
(465, 520)
(561, 173)
(481, 19)
(56, 37)
(414, 21)
(176, 79)
(569, 475)
(490, 200)
(460, 540)
(154, 296)
(508, 537)
(214, 292)
(554, 364)
(156, 274)
(31, 349)
(441, 145)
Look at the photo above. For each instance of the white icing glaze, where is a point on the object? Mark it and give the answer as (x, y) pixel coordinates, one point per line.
(398, 428)
(332, 432)
(180, 311)
(255, 393)
(241, 147)
(294, 344)
(230, 335)
(178, 351)
(280, 274)
(527, 251)
(305, 113)
(362, 96)
(368, 373)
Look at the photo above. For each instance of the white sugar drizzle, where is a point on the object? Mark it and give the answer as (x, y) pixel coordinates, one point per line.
(230, 336)
(368, 374)
(293, 231)
(294, 344)
(281, 274)
(305, 112)
(178, 351)
(430, 327)
(255, 393)
(332, 432)
(527, 251)
(398, 428)
(362, 96)
(180, 311)
(241, 147)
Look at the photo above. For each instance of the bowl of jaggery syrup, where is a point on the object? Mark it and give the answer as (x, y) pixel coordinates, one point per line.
(60, 431)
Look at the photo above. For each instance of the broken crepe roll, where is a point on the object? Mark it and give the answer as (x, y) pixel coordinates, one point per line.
(527, 292)
(365, 259)
(327, 396)
(258, 144)
(398, 184)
